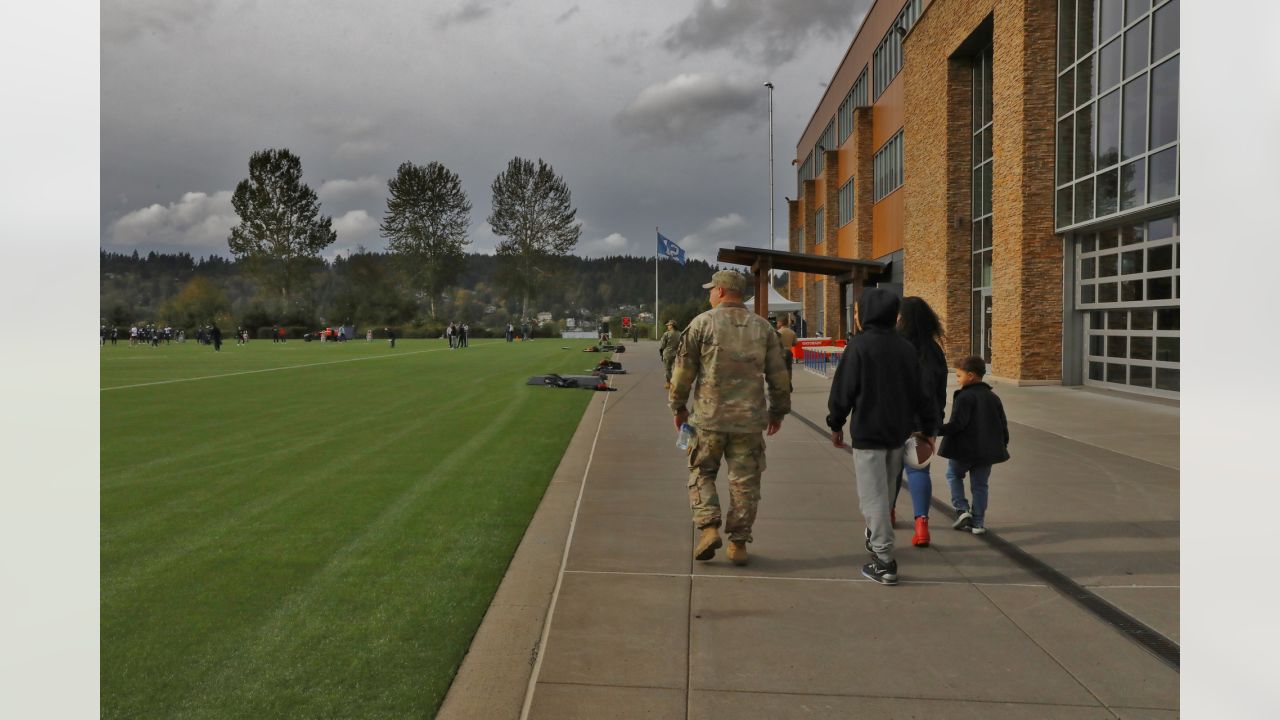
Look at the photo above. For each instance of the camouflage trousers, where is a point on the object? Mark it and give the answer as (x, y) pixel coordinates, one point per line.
(744, 454)
(669, 363)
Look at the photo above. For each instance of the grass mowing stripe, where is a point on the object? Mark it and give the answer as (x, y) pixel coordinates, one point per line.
(267, 370)
(265, 639)
(315, 608)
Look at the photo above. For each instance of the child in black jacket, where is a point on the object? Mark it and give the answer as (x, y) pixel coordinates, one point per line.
(976, 438)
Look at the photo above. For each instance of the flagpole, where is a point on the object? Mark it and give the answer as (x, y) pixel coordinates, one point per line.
(655, 281)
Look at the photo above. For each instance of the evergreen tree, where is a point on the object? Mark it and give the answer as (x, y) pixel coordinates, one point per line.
(426, 226)
(533, 210)
(280, 228)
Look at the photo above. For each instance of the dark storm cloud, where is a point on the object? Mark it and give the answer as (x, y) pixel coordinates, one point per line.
(764, 31)
(568, 14)
(124, 21)
(688, 106)
(468, 12)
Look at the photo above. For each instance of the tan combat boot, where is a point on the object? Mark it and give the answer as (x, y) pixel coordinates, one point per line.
(708, 541)
(738, 552)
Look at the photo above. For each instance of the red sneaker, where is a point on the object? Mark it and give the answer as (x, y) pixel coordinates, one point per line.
(921, 538)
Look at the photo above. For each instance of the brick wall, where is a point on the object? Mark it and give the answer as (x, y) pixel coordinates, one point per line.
(1026, 257)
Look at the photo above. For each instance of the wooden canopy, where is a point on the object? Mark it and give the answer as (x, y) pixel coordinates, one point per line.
(762, 261)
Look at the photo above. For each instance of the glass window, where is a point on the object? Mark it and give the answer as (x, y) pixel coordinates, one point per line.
(1167, 349)
(1110, 18)
(1134, 141)
(1066, 32)
(1167, 319)
(1106, 240)
(1089, 244)
(1164, 38)
(1085, 88)
(1131, 291)
(1133, 178)
(1117, 320)
(1140, 319)
(986, 190)
(1164, 175)
(1084, 27)
(1087, 294)
(1084, 146)
(1167, 379)
(1140, 375)
(1160, 258)
(987, 151)
(1162, 228)
(1108, 145)
(1117, 346)
(1134, 9)
(1088, 268)
(1064, 206)
(1084, 200)
(1107, 265)
(1064, 152)
(1095, 371)
(1160, 288)
(1107, 184)
(1135, 49)
(1131, 234)
(1131, 262)
(1066, 92)
(1107, 293)
(1140, 348)
(1095, 345)
(1116, 372)
(1109, 65)
(1164, 103)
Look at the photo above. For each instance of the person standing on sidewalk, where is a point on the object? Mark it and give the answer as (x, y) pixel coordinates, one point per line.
(726, 350)
(667, 349)
(976, 438)
(787, 337)
(918, 323)
(878, 382)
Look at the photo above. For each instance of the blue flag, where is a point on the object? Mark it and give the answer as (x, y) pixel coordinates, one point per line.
(670, 250)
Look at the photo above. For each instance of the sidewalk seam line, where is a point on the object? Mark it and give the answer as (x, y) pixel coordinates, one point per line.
(564, 559)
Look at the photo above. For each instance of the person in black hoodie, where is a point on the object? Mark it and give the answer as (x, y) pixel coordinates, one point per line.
(878, 382)
(918, 323)
(976, 437)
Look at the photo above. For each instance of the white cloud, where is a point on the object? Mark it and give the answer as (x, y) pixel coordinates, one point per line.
(355, 227)
(763, 31)
(363, 190)
(611, 244)
(723, 231)
(690, 105)
(199, 223)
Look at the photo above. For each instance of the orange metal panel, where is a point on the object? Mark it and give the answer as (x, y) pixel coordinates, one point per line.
(887, 116)
(845, 241)
(887, 220)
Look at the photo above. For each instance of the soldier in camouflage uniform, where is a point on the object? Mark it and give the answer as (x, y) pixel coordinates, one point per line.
(732, 353)
(667, 349)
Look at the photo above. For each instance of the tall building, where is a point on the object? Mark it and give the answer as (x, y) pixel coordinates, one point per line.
(1015, 162)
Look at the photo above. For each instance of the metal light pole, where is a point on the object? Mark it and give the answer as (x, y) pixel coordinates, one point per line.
(772, 231)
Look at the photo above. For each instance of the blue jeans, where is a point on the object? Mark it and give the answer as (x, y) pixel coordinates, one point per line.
(978, 477)
(920, 483)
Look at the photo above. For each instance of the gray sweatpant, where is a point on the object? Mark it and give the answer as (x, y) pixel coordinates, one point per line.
(877, 473)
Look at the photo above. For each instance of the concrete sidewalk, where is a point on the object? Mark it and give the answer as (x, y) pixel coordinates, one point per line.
(604, 614)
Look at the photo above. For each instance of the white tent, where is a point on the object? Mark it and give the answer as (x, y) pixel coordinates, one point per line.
(777, 303)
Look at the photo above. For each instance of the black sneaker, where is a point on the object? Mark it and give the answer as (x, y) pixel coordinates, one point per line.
(964, 521)
(881, 572)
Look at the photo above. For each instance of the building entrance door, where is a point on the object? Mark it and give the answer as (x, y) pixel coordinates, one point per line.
(982, 324)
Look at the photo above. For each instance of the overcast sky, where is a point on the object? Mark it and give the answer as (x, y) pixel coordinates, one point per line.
(654, 113)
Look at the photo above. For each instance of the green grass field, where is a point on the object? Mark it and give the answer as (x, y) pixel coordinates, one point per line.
(314, 541)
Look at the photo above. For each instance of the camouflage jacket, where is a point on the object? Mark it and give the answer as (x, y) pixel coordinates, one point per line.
(732, 353)
(667, 346)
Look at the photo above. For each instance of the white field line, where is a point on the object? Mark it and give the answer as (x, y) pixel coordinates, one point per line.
(564, 560)
(266, 370)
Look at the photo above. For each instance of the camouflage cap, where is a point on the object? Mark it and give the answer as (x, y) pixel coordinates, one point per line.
(729, 280)
(671, 323)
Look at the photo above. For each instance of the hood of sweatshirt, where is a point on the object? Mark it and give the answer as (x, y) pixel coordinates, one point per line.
(878, 308)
